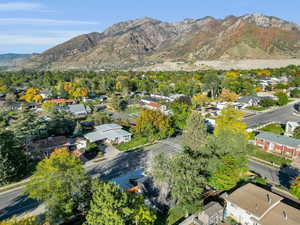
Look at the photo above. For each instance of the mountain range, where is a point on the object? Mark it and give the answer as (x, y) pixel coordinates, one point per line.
(147, 41)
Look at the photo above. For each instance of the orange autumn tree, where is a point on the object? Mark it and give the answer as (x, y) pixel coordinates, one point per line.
(228, 96)
(264, 73)
(74, 90)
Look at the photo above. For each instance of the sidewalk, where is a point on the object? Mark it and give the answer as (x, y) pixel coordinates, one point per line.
(13, 186)
(274, 107)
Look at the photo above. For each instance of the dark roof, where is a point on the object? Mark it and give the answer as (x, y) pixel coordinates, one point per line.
(212, 208)
(246, 99)
(280, 139)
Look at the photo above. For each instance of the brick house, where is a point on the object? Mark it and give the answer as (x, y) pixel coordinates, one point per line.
(279, 144)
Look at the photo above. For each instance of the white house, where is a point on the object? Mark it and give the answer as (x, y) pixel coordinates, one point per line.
(155, 106)
(109, 132)
(80, 143)
(253, 205)
(290, 128)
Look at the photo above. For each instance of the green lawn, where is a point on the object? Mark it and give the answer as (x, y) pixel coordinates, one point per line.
(272, 158)
(133, 109)
(256, 108)
(275, 128)
(135, 142)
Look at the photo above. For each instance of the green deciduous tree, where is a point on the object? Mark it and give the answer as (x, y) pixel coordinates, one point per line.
(60, 181)
(180, 112)
(228, 161)
(212, 84)
(186, 172)
(111, 205)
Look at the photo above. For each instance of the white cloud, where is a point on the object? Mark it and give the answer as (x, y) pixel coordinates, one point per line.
(39, 21)
(20, 6)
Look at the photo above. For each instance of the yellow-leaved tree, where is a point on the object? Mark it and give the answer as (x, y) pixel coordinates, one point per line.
(231, 119)
(32, 95)
(200, 100)
(26, 220)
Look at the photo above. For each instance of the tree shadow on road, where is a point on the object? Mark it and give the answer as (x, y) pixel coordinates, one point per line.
(287, 175)
(20, 205)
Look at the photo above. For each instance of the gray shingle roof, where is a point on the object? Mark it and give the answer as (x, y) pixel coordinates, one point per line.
(77, 108)
(99, 135)
(280, 139)
(107, 127)
(246, 99)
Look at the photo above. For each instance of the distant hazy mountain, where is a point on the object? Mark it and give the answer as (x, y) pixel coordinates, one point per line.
(148, 41)
(12, 59)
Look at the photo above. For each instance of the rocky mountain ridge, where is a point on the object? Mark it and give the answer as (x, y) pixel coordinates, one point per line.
(147, 41)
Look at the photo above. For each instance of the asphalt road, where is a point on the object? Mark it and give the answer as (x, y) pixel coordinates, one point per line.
(15, 202)
(280, 115)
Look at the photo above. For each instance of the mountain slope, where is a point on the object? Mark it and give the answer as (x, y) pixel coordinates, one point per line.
(148, 41)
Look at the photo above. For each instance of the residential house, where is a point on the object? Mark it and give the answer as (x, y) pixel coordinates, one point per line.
(175, 97)
(45, 94)
(250, 100)
(79, 109)
(61, 101)
(253, 205)
(155, 106)
(80, 143)
(10, 106)
(44, 147)
(99, 107)
(109, 132)
(290, 128)
(268, 94)
(212, 214)
(279, 144)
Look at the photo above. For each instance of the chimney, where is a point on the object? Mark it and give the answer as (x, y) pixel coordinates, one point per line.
(269, 199)
(285, 215)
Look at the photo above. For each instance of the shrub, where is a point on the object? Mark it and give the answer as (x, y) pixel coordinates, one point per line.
(283, 99)
(267, 102)
(295, 93)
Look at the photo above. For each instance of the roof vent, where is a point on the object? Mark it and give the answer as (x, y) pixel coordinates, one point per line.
(285, 215)
(269, 199)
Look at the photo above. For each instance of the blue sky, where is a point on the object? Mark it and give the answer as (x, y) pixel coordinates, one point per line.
(35, 25)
